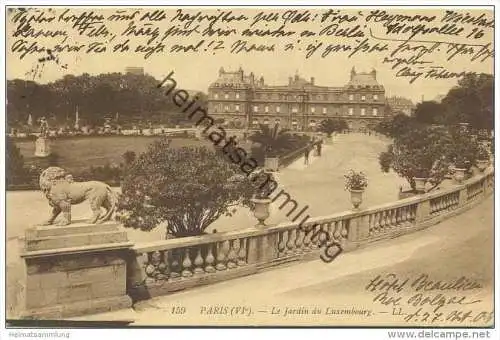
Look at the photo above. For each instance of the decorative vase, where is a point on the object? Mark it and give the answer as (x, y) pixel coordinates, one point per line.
(482, 164)
(271, 163)
(420, 183)
(261, 209)
(459, 175)
(356, 197)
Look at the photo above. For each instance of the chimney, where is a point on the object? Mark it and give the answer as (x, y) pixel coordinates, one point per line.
(290, 80)
(261, 81)
(374, 74)
(221, 71)
(241, 73)
(312, 80)
(353, 72)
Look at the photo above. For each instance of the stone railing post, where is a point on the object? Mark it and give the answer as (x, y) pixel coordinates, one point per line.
(484, 187)
(136, 275)
(75, 270)
(423, 212)
(462, 196)
(359, 230)
(262, 249)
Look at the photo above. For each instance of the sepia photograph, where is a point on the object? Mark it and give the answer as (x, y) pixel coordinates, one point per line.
(250, 166)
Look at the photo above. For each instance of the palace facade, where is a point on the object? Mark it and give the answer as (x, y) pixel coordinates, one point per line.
(239, 100)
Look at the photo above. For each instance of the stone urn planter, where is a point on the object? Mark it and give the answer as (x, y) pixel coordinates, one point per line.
(261, 210)
(420, 183)
(459, 175)
(356, 197)
(482, 164)
(271, 163)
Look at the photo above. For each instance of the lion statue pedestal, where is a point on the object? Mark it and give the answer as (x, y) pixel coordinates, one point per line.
(75, 270)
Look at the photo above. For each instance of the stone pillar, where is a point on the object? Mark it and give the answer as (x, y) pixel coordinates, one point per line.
(42, 148)
(75, 270)
(423, 211)
(358, 231)
(462, 196)
(263, 249)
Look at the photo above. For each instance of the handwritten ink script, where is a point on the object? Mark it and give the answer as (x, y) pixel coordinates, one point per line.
(421, 299)
(416, 44)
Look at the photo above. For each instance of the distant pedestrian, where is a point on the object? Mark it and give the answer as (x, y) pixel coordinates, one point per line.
(318, 147)
(306, 155)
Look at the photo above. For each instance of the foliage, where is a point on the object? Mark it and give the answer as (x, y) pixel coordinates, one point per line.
(463, 149)
(430, 112)
(123, 97)
(420, 152)
(14, 171)
(275, 142)
(128, 157)
(386, 158)
(482, 153)
(330, 126)
(471, 101)
(355, 180)
(397, 126)
(189, 188)
(259, 177)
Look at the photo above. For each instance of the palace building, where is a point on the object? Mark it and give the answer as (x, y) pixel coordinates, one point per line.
(239, 100)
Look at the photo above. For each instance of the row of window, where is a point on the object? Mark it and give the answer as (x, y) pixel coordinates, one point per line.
(294, 122)
(363, 97)
(217, 108)
(362, 111)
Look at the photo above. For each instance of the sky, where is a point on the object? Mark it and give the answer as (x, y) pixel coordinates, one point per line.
(196, 71)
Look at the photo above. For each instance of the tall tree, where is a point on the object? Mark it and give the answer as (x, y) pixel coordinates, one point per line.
(472, 101)
(430, 112)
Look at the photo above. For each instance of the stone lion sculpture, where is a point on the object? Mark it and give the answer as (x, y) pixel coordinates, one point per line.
(62, 191)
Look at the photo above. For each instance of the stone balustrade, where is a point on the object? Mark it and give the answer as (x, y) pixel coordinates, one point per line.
(170, 265)
(84, 269)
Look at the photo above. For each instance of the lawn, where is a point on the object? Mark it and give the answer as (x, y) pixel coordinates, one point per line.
(79, 153)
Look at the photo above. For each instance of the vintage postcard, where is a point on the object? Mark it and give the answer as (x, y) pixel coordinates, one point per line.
(250, 166)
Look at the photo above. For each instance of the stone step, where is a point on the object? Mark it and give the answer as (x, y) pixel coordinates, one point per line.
(72, 229)
(75, 240)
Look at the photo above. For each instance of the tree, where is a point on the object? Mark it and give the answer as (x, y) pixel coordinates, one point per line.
(130, 95)
(430, 112)
(273, 140)
(189, 188)
(471, 101)
(399, 125)
(330, 126)
(463, 148)
(420, 152)
(14, 170)
(129, 158)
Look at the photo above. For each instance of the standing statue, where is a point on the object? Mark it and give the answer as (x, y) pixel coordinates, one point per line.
(44, 128)
(62, 191)
(42, 148)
